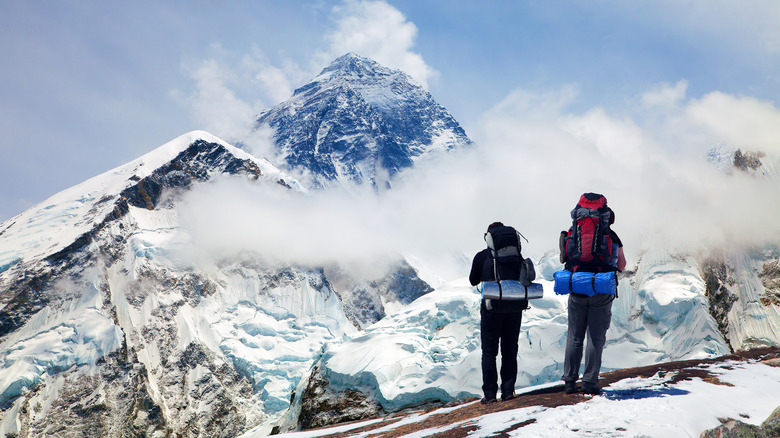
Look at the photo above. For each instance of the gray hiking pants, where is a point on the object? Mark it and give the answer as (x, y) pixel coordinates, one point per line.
(591, 316)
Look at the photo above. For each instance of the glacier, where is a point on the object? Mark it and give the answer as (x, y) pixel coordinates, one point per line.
(430, 350)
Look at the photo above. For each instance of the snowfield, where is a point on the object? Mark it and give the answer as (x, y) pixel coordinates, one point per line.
(646, 407)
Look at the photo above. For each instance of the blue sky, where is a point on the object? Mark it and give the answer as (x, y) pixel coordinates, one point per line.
(86, 86)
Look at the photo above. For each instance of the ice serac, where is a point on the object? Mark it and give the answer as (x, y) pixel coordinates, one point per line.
(359, 122)
(429, 351)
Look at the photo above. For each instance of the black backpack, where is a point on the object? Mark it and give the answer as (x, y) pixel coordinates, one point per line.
(508, 262)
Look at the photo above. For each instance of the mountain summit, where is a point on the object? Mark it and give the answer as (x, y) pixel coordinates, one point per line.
(359, 122)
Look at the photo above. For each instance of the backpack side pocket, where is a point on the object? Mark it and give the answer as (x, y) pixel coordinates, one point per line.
(562, 246)
(527, 272)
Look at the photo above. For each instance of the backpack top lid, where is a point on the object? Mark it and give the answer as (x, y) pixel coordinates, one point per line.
(506, 259)
(502, 237)
(593, 201)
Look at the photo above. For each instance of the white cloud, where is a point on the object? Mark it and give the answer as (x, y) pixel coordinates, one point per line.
(379, 31)
(275, 82)
(260, 143)
(215, 106)
(272, 83)
(745, 122)
(659, 190)
(234, 215)
(529, 169)
(617, 141)
(229, 92)
(665, 96)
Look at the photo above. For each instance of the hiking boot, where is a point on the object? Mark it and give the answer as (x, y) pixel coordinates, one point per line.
(590, 388)
(508, 397)
(571, 388)
(487, 401)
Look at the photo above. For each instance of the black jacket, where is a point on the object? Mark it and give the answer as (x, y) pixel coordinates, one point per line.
(482, 270)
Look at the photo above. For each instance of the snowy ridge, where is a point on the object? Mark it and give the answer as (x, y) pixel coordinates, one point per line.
(56, 222)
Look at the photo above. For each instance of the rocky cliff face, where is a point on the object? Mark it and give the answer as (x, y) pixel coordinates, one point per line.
(742, 290)
(742, 285)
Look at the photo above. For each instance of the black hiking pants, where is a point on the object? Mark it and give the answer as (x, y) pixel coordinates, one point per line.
(499, 329)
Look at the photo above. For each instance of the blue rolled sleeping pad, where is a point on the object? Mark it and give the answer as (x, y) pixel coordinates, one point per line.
(511, 290)
(585, 283)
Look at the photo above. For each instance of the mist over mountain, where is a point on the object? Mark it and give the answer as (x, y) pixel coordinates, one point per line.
(202, 291)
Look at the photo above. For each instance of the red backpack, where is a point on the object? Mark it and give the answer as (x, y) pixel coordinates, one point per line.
(588, 245)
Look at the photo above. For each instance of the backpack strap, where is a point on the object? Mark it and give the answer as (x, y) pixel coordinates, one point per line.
(496, 268)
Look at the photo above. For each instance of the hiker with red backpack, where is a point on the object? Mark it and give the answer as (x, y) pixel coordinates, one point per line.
(501, 267)
(592, 254)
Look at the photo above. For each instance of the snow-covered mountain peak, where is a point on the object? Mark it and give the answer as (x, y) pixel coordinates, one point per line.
(352, 63)
(362, 74)
(59, 220)
(729, 159)
(359, 122)
(169, 151)
(379, 86)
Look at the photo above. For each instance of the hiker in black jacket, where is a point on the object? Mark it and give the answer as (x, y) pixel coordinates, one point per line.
(499, 325)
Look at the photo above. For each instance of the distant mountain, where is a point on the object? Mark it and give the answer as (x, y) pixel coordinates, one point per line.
(359, 123)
